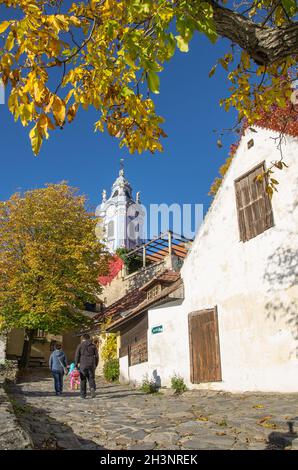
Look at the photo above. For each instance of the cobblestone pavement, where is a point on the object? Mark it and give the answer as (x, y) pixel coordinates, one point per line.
(10, 429)
(124, 418)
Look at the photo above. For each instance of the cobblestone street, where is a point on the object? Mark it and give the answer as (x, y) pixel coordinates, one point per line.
(123, 418)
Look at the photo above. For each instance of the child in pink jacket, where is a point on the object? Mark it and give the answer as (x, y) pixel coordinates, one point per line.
(74, 376)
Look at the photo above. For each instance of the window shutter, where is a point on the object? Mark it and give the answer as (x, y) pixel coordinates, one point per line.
(253, 204)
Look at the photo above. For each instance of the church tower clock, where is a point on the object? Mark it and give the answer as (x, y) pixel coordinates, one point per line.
(121, 215)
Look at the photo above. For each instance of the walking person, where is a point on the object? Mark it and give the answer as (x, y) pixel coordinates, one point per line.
(58, 366)
(86, 359)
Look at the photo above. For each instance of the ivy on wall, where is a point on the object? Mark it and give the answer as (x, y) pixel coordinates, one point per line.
(132, 262)
(109, 349)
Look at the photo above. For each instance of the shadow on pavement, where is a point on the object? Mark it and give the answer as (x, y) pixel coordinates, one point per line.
(45, 432)
(49, 394)
(282, 440)
(33, 374)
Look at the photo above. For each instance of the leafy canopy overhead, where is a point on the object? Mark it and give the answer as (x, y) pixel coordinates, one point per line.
(57, 57)
(50, 260)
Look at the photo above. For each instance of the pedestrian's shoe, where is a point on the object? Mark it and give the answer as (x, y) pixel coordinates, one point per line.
(83, 396)
(92, 393)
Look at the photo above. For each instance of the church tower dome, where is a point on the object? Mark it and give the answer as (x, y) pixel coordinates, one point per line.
(121, 215)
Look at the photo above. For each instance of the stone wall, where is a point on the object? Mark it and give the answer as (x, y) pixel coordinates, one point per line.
(9, 371)
(2, 348)
(12, 436)
(40, 347)
(100, 343)
(123, 284)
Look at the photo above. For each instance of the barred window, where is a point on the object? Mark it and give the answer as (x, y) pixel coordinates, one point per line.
(153, 292)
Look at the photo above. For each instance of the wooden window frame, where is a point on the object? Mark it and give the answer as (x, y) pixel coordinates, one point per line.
(154, 291)
(249, 230)
(250, 143)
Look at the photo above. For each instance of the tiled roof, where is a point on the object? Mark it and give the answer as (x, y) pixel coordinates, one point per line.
(284, 120)
(136, 299)
(147, 304)
(127, 302)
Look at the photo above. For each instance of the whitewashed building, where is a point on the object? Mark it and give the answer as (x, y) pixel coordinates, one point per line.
(237, 327)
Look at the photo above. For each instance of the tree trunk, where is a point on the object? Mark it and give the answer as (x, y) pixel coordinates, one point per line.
(28, 340)
(265, 45)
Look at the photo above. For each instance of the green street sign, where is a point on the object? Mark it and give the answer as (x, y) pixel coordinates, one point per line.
(157, 329)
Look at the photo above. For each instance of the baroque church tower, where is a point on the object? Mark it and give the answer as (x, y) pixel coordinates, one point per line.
(121, 215)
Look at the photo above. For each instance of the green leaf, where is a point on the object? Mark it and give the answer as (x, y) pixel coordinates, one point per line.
(182, 44)
(290, 6)
(171, 45)
(153, 81)
(126, 91)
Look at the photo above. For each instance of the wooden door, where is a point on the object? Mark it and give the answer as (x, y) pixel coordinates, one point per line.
(204, 346)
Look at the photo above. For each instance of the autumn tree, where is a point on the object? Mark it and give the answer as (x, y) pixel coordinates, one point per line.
(58, 56)
(50, 260)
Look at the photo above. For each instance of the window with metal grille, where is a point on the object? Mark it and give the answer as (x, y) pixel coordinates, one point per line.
(153, 292)
(138, 350)
(253, 204)
(134, 341)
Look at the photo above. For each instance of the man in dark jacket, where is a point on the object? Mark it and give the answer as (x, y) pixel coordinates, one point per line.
(87, 359)
(57, 364)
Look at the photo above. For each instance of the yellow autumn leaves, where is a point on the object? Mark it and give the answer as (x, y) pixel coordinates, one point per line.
(94, 55)
(254, 89)
(4, 26)
(108, 55)
(44, 123)
(50, 259)
(25, 101)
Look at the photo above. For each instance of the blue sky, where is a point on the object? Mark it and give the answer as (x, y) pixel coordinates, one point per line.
(183, 173)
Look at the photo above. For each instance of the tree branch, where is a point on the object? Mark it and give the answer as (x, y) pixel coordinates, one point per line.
(265, 45)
